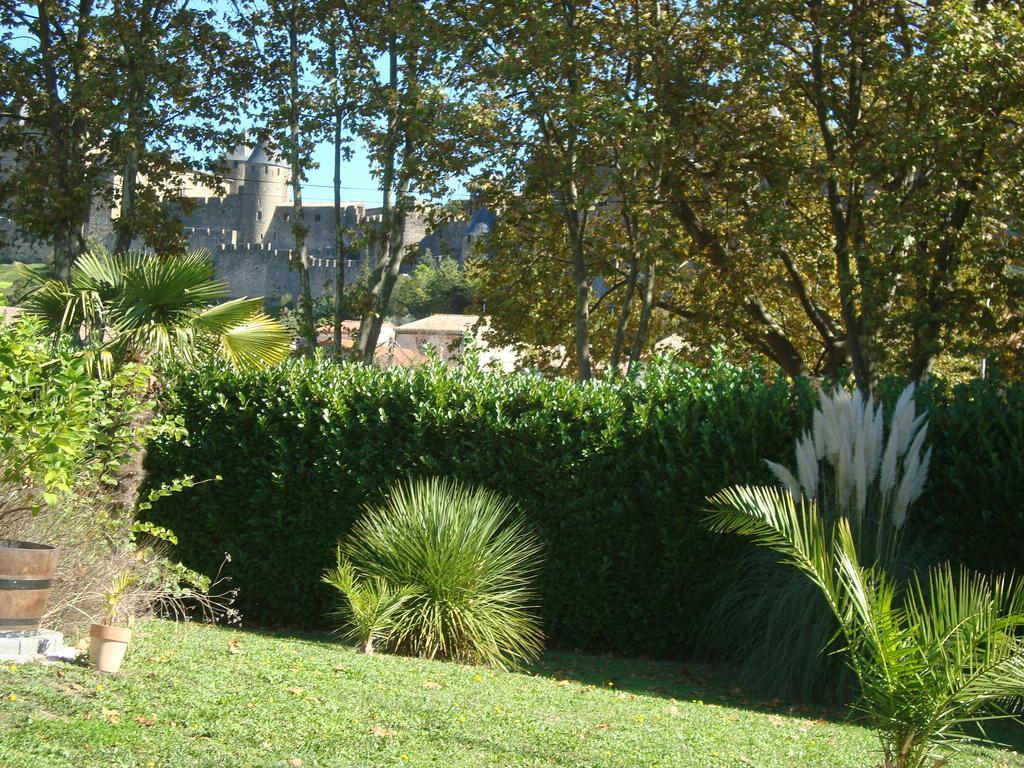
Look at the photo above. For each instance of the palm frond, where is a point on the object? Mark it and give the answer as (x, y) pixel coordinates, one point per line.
(772, 518)
(131, 304)
(258, 342)
(228, 314)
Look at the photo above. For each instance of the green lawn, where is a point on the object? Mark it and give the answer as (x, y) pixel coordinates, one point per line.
(12, 285)
(194, 696)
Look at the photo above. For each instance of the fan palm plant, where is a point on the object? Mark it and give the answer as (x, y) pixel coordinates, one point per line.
(132, 305)
(930, 659)
(370, 609)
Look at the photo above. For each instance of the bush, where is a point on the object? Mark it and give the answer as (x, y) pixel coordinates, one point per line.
(612, 477)
(446, 572)
(67, 479)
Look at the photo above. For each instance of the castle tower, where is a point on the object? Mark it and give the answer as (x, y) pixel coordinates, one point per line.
(236, 161)
(264, 189)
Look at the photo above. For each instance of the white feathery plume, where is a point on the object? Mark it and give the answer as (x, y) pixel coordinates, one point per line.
(820, 437)
(860, 471)
(887, 476)
(903, 417)
(844, 477)
(857, 406)
(869, 463)
(827, 424)
(876, 442)
(807, 465)
(785, 477)
(914, 426)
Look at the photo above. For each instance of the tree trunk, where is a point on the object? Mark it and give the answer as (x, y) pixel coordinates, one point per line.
(339, 218)
(66, 141)
(298, 260)
(624, 314)
(644, 325)
(581, 281)
(390, 275)
(129, 180)
(370, 324)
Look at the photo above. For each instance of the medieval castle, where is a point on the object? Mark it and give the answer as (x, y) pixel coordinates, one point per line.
(246, 224)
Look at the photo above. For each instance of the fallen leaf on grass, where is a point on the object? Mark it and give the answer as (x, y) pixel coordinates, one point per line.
(143, 720)
(112, 715)
(603, 727)
(432, 685)
(378, 730)
(233, 646)
(296, 762)
(672, 710)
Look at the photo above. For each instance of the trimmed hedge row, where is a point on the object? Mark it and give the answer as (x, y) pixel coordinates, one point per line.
(612, 477)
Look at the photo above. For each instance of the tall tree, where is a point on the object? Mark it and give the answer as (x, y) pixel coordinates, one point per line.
(342, 57)
(577, 147)
(57, 104)
(280, 36)
(542, 64)
(410, 118)
(173, 76)
(885, 136)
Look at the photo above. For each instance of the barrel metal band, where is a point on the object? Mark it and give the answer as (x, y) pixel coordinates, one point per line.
(33, 622)
(25, 583)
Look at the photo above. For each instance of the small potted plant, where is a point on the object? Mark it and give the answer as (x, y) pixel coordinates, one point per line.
(108, 643)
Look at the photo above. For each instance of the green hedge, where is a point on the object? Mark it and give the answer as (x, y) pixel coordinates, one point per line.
(613, 477)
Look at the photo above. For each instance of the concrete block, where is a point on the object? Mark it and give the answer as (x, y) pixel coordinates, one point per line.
(45, 642)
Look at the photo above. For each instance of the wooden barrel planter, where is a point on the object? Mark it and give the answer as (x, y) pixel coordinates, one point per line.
(26, 574)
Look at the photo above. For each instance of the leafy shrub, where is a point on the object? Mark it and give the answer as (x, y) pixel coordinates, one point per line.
(611, 477)
(66, 439)
(443, 571)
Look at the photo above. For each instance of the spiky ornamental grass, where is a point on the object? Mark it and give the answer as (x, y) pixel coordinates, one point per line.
(854, 470)
(445, 571)
(930, 658)
(855, 466)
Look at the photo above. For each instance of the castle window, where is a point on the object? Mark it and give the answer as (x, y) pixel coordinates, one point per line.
(316, 217)
(287, 217)
(259, 215)
(265, 170)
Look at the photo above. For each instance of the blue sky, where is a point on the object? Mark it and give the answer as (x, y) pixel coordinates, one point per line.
(357, 183)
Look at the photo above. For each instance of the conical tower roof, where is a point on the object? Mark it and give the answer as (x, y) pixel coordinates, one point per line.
(260, 156)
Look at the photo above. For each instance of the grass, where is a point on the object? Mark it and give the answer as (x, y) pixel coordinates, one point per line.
(12, 285)
(195, 696)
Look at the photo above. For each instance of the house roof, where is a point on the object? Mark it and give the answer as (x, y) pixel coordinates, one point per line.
(440, 324)
(392, 354)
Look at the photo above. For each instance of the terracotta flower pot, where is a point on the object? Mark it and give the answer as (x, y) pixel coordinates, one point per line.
(107, 646)
(26, 574)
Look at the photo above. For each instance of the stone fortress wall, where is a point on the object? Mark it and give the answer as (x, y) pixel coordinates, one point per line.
(246, 225)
